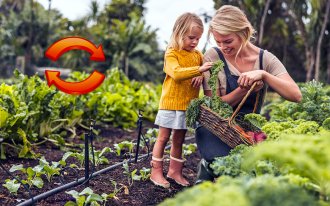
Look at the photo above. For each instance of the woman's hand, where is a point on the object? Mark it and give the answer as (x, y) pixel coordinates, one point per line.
(246, 79)
(197, 81)
(259, 85)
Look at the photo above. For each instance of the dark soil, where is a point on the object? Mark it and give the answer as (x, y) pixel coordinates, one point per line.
(137, 193)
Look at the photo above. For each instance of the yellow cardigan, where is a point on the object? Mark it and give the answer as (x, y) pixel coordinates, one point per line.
(180, 67)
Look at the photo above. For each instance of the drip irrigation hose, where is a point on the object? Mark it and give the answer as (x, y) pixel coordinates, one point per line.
(73, 184)
(59, 189)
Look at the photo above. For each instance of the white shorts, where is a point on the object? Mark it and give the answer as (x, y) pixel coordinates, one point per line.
(174, 119)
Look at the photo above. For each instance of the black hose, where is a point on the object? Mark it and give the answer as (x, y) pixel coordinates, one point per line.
(81, 180)
(71, 184)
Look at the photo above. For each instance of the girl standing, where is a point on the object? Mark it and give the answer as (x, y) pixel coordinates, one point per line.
(184, 67)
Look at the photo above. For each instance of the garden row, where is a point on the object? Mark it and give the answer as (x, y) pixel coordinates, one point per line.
(32, 113)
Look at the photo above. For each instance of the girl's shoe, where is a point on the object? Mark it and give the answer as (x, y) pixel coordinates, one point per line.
(157, 176)
(175, 171)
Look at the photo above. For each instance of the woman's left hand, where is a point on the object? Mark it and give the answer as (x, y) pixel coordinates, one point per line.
(197, 81)
(246, 79)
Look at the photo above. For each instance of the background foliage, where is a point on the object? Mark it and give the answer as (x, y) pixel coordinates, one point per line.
(297, 32)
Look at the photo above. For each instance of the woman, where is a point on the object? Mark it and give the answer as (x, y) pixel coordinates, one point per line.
(245, 64)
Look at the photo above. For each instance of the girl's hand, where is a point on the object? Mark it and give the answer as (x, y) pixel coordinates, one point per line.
(205, 67)
(197, 81)
(246, 79)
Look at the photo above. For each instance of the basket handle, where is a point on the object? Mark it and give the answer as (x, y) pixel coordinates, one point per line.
(242, 102)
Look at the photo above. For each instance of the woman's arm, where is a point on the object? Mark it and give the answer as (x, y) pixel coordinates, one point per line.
(283, 84)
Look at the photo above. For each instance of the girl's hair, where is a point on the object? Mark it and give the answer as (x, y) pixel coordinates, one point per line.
(182, 27)
(230, 19)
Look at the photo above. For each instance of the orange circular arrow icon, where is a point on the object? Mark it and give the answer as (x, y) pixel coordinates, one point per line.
(69, 43)
(83, 87)
(66, 44)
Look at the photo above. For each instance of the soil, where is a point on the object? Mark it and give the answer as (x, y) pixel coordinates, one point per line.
(136, 193)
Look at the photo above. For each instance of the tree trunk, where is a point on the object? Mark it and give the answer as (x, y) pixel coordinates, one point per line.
(262, 23)
(309, 56)
(319, 42)
(310, 59)
(328, 63)
(28, 50)
(126, 64)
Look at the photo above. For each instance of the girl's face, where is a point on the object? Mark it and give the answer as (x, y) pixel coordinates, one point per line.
(229, 44)
(190, 41)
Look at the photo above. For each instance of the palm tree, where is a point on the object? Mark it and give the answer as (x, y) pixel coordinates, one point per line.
(129, 38)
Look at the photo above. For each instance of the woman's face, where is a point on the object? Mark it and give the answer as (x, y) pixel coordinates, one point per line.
(229, 44)
(191, 40)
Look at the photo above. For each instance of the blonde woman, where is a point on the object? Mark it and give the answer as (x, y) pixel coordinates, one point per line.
(245, 64)
(183, 66)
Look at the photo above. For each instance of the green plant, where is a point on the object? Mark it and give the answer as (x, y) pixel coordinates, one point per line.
(215, 103)
(33, 175)
(122, 145)
(80, 156)
(151, 135)
(49, 170)
(86, 197)
(189, 149)
(131, 176)
(315, 105)
(145, 173)
(12, 185)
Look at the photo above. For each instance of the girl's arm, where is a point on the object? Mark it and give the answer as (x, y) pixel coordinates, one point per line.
(179, 73)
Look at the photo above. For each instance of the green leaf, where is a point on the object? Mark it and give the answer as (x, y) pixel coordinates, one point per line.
(30, 172)
(3, 117)
(81, 200)
(38, 168)
(93, 197)
(16, 167)
(12, 185)
(38, 182)
(70, 203)
(87, 191)
(73, 193)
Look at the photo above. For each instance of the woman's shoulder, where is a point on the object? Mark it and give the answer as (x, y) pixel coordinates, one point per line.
(211, 55)
(269, 58)
(272, 64)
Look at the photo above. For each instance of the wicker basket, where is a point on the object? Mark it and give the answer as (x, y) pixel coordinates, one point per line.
(225, 129)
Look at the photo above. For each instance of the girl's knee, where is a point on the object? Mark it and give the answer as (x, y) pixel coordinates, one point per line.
(178, 141)
(163, 138)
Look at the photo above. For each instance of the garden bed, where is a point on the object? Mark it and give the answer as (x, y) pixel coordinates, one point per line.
(136, 193)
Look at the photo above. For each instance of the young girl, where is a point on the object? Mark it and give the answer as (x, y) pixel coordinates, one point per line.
(182, 65)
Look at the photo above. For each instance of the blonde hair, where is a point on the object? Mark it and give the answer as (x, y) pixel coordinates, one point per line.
(230, 19)
(182, 27)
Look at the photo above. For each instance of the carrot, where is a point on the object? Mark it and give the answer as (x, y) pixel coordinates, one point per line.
(247, 136)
